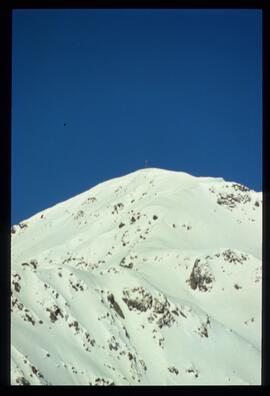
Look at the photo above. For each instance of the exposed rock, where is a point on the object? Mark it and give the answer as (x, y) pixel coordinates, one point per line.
(115, 306)
(22, 381)
(125, 263)
(55, 311)
(34, 263)
(23, 225)
(137, 299)
(240, 187)
(173, 369)
(237, 287)
(233, 257)
(200, 277)
(231, 200)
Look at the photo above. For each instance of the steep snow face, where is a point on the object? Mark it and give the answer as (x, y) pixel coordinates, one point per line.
(152, 278)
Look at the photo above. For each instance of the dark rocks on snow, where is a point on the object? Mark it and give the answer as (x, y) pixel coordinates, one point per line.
(54, 313)
(203, 331)
(17, 286)
(231, 200)
(75, 324)
(200, 278)
(91, 199)
(125, 264)
(232, 257)
(117, 207)
(138, 299)
(141, 300)
(102, 381)
(173, 369)
(115, 305)
(240, 187)
(192, 370)
(30, 319)
(22, 381)
(237, 287)
(23, 225)
(34, 263)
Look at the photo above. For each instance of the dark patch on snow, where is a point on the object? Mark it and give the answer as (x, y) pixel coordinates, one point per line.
(173, 369)
(115, 305)
(117, 207)
(30, 319)
(142, 301)
(125, 264)
(237, 287)
(55, 312)
(75, 324)
(200, 277)
(233, 257)
(101, 382)
(194, 371)
(232, 200)
(113, 344)
(240, 187)
(16, 283)
(23, 225)
(22, 381)
(34, 263)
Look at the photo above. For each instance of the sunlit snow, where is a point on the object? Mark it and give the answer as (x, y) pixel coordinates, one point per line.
(153, 278)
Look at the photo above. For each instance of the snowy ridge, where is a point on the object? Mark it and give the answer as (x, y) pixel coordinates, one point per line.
(150, 278)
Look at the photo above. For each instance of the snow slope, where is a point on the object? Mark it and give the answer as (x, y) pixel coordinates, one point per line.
(152, 278)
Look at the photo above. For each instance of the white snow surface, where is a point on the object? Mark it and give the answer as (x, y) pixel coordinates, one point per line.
(153, 278)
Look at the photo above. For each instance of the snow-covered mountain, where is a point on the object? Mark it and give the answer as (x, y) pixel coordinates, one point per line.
(153, 278)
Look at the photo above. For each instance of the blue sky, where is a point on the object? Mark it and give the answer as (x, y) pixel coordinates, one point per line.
(180, 88)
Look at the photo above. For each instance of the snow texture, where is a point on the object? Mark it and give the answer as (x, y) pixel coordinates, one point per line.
(153, 278)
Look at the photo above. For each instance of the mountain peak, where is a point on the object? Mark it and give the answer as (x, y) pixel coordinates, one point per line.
(152, 255)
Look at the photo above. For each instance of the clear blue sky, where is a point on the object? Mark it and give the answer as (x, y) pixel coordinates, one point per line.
(181, 88)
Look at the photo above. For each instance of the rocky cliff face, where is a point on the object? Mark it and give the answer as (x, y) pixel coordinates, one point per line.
(150, 278)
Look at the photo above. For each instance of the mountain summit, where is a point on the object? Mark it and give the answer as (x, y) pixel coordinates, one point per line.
(153, 278)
